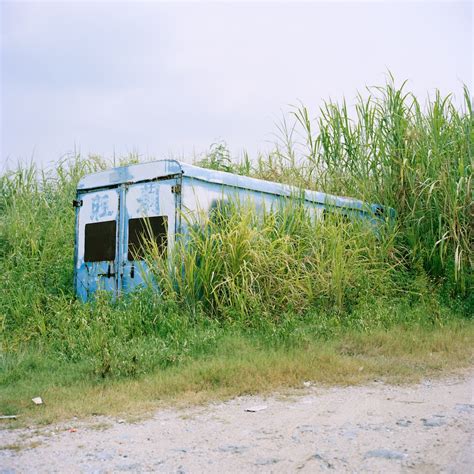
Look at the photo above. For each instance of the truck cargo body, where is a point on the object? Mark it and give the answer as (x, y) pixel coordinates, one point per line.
(115, 207)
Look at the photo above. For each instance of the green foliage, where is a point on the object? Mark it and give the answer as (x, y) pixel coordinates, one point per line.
(239, 265)
(389, 150)
(218, 158)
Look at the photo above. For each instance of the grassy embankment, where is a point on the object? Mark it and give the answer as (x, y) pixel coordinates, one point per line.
(261, 304)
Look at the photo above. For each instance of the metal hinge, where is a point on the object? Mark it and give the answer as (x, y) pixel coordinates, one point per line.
(176, 189)
(77, 203)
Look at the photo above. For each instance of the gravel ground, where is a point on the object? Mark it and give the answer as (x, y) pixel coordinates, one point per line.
(372, 428)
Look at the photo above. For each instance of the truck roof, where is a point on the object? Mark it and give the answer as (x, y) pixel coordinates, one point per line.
(155, 170)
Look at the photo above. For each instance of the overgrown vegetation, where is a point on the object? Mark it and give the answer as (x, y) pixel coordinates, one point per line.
(284, 289)
(239, 264)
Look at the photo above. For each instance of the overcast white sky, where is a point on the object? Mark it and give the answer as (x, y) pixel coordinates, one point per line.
(169, 79)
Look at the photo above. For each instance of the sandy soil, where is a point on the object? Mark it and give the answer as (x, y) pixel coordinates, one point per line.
(373, 428)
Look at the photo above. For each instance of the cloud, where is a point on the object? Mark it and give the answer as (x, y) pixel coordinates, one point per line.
(166, 78)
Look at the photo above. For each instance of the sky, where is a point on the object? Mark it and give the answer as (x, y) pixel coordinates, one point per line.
(166, 80)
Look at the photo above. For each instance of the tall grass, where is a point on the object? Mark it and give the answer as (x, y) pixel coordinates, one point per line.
(287, 277)
(387, 148)
(240, 264)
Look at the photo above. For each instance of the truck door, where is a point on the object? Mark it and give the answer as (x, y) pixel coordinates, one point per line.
(150, 213)
(96, 242)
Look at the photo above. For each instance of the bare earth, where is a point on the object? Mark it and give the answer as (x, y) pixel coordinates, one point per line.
(372, 428)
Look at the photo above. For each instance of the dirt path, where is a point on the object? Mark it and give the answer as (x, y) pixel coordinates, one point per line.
(372, 428)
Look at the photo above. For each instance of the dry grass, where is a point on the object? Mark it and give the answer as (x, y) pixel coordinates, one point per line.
(395, 356)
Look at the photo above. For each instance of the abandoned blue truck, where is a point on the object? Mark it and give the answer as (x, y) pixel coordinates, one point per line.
(114, 207)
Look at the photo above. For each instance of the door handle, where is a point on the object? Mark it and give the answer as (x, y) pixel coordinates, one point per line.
(108, 274)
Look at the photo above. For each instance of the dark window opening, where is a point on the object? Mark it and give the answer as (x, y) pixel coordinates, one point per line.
(143, 231)
(100, 241)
